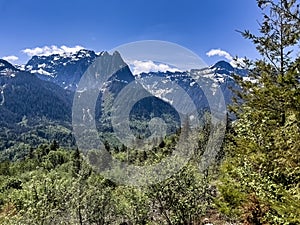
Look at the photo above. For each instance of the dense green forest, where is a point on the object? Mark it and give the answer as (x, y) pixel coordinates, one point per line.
(255, 179)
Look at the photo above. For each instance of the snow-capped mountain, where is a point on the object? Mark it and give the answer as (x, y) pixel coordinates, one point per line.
(7, 69)
(66, 71)
(199, 84)
(62, 69)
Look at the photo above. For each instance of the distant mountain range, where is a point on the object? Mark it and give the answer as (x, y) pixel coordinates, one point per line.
(66, 71)
(41, 92)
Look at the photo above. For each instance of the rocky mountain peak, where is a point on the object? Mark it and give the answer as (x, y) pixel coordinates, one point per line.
(7, 69)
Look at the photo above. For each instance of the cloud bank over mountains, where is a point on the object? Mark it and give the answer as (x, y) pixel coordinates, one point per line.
(139, 67)
(50, 50)
(10, 58)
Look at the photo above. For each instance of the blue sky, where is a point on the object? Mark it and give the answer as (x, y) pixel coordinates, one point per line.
(102, 25)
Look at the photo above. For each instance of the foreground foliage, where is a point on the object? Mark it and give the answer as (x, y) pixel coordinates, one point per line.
(56, 186)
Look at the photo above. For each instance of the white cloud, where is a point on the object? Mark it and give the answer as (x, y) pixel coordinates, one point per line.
(218, 52)
(11, 58)
(49, 50)
(149, 66)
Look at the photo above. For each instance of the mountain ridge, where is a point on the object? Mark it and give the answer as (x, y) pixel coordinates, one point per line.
(31, 103)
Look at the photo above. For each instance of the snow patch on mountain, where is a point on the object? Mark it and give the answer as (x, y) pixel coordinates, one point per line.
(2, 94)
(42, 72)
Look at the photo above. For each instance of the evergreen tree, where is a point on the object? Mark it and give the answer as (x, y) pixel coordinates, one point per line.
(54, 146)
(107, 146)
(76, 162)
(261, 173)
